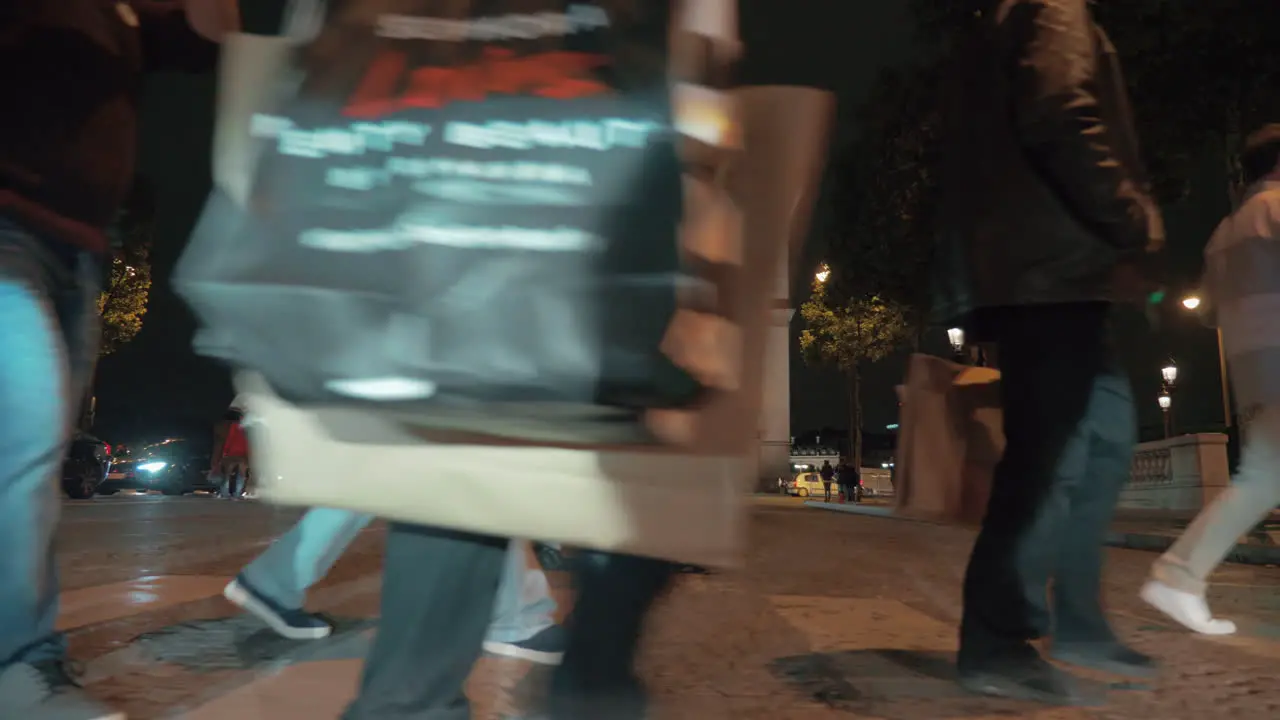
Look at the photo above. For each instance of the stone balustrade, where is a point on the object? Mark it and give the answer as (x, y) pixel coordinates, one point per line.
(1179, 475)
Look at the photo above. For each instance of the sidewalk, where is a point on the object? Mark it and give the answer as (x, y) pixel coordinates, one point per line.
(1135, 531)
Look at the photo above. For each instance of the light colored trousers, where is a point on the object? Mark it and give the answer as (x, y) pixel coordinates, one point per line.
(303, 556)
(1253, 494)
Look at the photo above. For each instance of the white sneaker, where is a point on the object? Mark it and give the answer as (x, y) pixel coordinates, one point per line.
(1188, 609)
(47, 692)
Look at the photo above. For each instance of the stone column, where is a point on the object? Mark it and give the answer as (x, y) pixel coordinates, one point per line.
(775, 409)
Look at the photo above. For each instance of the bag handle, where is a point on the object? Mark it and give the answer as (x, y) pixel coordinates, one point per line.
(303, 19)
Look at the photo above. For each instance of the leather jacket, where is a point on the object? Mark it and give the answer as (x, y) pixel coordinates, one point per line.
(1044, 194)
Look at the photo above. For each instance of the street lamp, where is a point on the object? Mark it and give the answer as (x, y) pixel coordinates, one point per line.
(1169, 374)
(823, 273)
(956, 337)
(1166, 406)
(1193, 303)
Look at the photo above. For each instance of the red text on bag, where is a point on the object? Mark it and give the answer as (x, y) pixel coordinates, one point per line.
(389, 86)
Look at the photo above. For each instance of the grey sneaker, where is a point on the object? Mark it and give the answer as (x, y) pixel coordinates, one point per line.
(546, 647)
(46, 691)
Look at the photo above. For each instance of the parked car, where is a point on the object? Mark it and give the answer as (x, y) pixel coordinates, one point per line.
(805, 484)
(172, 467)
(86, 466)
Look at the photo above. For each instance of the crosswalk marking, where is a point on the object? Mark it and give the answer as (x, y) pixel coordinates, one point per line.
(103, 603)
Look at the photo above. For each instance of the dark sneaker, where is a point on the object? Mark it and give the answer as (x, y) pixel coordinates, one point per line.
(544, 648)
(1112, 657)
(46, 691)
(1035, 681)
(292, 623)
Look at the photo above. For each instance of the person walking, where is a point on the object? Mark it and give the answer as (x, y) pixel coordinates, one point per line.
(71, 72)
(851, 481)
(1242, 278)
(827, 473)
(231, 459)
(1047, 227)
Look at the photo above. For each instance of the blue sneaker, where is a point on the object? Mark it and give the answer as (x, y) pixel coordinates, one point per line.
(544, 648)
(292, 623)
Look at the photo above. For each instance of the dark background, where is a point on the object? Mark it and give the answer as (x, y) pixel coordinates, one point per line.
(157, 386)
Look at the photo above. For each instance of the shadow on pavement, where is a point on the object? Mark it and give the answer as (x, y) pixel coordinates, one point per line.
(239, 642)
(887, 683)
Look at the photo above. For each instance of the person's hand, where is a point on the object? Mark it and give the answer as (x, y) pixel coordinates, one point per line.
(213, 19)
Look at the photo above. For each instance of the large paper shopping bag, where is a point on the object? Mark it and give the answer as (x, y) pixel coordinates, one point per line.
(949, 441)
(466, 214)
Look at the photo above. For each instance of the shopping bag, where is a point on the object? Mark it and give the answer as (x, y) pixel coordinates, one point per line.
(469, 220)
(950, 438)
(684, 501)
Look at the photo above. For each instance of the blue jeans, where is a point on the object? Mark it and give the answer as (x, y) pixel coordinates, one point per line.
(303, 556)
(48, 314)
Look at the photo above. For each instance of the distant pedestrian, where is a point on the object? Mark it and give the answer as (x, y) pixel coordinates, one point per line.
(230, 461)
(828, 474)
(1242, 277)
(1047, 225)
(851, 482)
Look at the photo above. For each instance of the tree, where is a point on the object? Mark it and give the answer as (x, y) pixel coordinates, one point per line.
(1202, 76)
(123, 303)
(849, 334)
(884, 188)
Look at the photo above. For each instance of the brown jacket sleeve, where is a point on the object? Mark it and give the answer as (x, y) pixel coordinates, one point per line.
(1053, 47)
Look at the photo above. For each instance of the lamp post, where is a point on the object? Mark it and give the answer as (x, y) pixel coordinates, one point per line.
(1166, 406)
(1193, 303)
(956, 337)
(1169, 376)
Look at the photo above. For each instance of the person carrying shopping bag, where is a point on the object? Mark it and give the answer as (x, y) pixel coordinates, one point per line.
(472, 239)
(1242, 280)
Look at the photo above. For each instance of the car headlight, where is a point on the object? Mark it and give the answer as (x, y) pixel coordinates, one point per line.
(152, 467)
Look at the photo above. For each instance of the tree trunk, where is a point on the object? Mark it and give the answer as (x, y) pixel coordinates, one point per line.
(855, 415)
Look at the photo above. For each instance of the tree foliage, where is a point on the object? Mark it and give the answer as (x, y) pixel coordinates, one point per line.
(887, 185)
(123, 303)
(1202, 76)
(848, 334)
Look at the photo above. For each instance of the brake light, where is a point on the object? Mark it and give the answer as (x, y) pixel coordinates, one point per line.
(107, 448)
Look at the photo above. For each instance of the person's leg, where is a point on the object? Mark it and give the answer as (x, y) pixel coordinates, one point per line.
(274, 586)
(524, 623)
(437, 600)
(1081, 633)
(229, 479)
(1048, 369)
(48, 312)
(597, 677)
(1179, 578)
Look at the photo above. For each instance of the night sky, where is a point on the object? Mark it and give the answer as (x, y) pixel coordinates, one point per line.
(157, 386)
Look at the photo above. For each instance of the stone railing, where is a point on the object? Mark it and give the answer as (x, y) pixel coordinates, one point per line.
(1179, 475)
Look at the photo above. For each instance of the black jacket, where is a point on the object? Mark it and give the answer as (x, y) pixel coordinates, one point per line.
(70, 72)
(1045, 198)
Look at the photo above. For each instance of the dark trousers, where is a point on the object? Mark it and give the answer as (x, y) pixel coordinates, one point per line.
(1070, 425)
(826, 489)
(437, 601)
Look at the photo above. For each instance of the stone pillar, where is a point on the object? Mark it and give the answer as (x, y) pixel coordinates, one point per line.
(785, 144)
(775, 409)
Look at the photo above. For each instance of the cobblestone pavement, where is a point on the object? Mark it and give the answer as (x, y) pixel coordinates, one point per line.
(833, 616)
